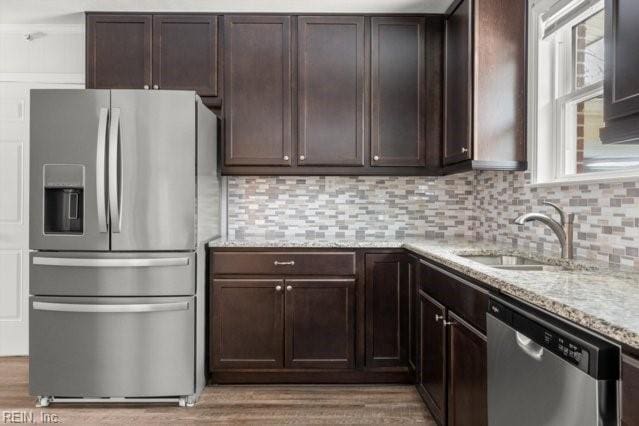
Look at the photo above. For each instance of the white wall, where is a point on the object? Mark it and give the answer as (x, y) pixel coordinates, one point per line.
(52, 58)
(71, 11)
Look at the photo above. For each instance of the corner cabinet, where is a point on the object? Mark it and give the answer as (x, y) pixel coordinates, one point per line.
(485, 86)
(145, 51)
(621, 75)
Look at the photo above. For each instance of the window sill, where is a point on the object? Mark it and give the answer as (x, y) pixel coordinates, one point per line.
(587, 179)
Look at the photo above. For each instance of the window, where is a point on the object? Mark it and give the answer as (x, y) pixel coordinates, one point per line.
(567, 71)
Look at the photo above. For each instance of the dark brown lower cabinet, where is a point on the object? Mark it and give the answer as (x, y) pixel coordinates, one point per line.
(452, 356)
(246, 323)
(432, 361)
(629, 391)
(413, 318)
(467, 383)
(319, 325)
(386, 310)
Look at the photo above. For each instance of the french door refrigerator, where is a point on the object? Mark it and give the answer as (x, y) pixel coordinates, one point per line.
(124, 195)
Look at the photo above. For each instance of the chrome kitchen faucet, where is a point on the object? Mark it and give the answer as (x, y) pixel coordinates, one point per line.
(563, 229)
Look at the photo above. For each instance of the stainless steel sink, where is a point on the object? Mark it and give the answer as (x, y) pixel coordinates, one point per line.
(509, 262)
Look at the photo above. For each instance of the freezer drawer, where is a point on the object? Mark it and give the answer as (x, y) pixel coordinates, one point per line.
(112, 274)
(112, 347)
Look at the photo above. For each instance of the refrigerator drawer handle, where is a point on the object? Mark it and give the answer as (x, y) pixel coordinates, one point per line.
(78, 307)
(110, 263)
(100, 168)
(115, 172)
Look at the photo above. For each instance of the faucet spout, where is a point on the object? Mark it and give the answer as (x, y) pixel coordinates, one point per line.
(563, 230)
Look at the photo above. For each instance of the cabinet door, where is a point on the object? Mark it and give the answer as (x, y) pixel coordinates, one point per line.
(432, 356)
(257, 90)
(247, 323)
(320, 327)
(398, 91)
(331, 56)
(621, 84)
(467, 382)
(386, 310)
(458, 85)
(118, 51)
(185, 53)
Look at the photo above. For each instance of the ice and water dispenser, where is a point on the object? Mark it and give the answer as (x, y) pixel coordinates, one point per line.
(63, 199)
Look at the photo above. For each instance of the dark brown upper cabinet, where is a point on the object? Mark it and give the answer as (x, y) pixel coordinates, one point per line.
(398, 91)
(331, 60)
(320, 323)
(185, 53)
(621, 75)
(257, 90)
(485, 86)
(134, 51)
(386, 310)
(118, 51)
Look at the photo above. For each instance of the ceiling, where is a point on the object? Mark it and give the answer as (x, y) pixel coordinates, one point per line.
(71, 11)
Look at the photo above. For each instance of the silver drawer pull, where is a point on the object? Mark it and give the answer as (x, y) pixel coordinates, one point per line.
(438, 317)
(287, 263)
(77, 307)
(110, 263)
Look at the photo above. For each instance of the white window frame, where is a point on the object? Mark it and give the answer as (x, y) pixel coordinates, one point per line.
(552, 99)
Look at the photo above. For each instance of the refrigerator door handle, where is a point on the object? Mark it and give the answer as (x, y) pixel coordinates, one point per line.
(115, 172)
(100, 308)
(100, 165)
(110, 263)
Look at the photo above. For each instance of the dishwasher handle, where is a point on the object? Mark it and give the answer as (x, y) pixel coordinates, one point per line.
(529, 347)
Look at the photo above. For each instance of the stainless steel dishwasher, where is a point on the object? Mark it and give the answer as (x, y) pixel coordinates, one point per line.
(544, 372)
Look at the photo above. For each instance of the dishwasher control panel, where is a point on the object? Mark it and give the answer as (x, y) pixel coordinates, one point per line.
(590, 354)
(566, 348)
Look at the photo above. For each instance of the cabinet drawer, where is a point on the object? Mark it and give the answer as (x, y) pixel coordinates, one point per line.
(284, 263)
(462, 297)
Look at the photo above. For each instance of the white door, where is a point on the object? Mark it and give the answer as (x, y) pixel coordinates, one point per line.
(14, 214)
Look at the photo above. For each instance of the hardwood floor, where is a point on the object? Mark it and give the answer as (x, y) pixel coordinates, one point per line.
(305, 404)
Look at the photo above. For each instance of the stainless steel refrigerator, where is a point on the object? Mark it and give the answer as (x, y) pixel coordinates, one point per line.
(124, 196)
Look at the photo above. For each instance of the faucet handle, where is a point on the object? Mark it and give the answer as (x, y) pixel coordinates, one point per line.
(565, 218)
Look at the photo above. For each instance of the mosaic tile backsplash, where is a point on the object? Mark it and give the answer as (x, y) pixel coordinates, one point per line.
(325, 207)
(606, 215)
(473, 204)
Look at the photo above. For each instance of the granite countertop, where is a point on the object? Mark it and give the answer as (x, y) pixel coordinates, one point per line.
(598, 296)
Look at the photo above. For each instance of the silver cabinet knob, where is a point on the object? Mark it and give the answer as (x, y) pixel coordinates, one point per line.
(289, 287)
(286, 158)
(302, 158)
(464, 150)
(438, 317)
(146, 87)
(156, 87)
(376, 158)
(278, 288)
(450, 323)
